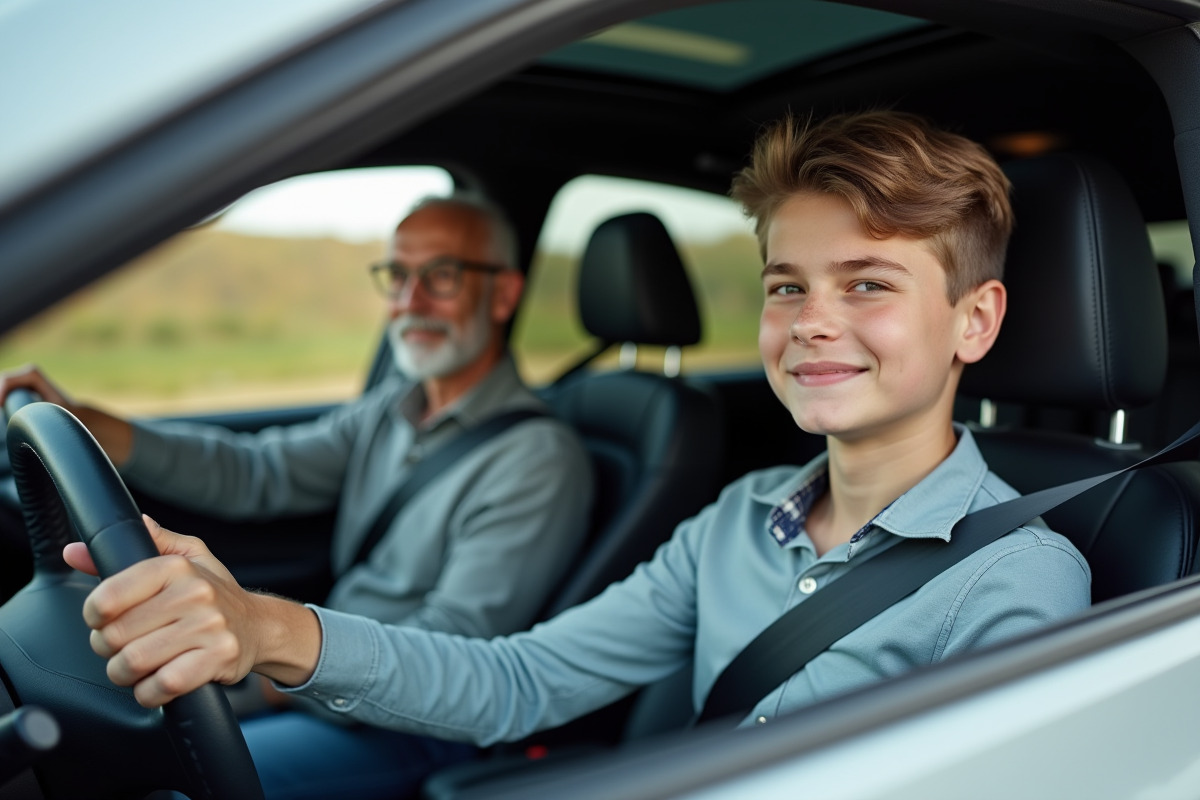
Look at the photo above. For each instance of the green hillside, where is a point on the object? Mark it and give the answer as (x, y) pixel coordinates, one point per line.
(215, 318)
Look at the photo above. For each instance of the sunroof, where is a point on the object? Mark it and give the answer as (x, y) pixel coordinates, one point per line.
(726, 45)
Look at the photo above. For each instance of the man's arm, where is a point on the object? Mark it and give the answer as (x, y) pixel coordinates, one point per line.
(298, 468)
(114, 435)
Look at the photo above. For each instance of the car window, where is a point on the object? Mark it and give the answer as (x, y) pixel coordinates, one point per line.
(143, 60)
(267, 304)
(1172, 244)
(716, 243)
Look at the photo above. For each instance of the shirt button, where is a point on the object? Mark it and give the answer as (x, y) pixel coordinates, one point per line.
(808, 584)
(760, 721)
(341, 701)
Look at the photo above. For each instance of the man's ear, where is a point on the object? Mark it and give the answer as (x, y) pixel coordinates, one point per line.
(984, 307)
(506, 294)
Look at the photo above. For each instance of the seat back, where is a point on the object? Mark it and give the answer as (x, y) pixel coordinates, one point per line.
(655, 441)
(1164, 420)
(1086, 328)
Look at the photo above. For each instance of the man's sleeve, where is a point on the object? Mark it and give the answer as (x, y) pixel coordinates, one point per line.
(296, 468)
(521, 522)
(634, 633)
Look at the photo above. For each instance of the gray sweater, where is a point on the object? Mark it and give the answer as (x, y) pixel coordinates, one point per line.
(476, 551)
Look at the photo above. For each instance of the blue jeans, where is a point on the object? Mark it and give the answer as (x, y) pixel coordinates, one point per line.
(302, 757)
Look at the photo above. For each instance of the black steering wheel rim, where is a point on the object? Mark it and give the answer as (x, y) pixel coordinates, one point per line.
(67, 484)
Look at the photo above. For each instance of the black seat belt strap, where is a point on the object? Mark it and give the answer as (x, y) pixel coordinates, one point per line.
(435, 464)
(808, 629)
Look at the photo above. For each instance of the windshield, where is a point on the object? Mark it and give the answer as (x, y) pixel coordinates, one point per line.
(143, 61)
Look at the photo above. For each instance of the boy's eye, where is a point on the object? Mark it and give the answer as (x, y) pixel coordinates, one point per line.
(868, 286)
(783, 288)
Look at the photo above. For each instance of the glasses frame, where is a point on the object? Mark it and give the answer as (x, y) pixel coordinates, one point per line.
(390, 277)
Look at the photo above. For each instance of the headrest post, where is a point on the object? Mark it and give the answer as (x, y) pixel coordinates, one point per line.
(1116, 427)
(628, 357)
(672, 361)
(987, 413)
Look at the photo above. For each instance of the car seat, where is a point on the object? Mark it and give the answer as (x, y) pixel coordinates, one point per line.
(1086, 328)
(1174, 411)
(655, 441)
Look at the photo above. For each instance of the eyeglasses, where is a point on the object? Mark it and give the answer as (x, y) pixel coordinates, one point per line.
(440, 276)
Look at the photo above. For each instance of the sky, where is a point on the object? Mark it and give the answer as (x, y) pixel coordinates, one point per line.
(365, 204)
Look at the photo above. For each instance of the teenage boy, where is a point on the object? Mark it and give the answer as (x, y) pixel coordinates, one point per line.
(883, 240)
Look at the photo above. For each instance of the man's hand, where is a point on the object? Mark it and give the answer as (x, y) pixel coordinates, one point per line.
(171, 624)
(114, 434)
(30, 377)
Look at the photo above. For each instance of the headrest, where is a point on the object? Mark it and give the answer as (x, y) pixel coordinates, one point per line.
(632, 285)
(1086, 324)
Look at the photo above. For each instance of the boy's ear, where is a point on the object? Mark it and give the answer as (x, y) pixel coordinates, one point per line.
(984, 307)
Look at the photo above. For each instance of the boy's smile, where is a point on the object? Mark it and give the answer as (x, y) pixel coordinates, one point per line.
(857, 334)
(824, 373)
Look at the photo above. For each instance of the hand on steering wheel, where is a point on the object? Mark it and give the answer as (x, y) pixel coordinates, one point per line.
(111, 745)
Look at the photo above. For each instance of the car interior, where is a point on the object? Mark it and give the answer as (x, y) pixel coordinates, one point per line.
(1096, 367)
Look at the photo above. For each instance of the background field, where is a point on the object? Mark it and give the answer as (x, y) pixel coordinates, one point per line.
(215, 319)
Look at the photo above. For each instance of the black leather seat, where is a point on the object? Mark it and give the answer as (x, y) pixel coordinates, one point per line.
(656, 442)
(1086, 328)
(1175, 410)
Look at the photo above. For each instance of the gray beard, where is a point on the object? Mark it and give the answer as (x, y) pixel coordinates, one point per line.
(461, 347)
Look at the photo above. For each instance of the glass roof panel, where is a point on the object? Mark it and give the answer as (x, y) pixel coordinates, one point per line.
(723, 46)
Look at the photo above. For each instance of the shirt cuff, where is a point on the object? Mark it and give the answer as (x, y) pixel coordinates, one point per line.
(348, 663)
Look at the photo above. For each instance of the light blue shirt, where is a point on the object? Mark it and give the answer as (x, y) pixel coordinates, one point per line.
(719, 581)
(477, 551)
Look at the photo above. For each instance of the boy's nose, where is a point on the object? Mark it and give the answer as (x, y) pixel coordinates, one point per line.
(814, 320)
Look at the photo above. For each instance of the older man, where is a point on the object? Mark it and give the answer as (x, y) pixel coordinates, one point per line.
(475, 551)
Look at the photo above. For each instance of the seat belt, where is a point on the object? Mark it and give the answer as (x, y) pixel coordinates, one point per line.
(808, 629)
(435, 464)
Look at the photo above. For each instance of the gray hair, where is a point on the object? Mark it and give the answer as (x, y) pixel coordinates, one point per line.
(503, 244)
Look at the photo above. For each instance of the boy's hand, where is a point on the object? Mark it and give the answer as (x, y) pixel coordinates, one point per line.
(171, 624)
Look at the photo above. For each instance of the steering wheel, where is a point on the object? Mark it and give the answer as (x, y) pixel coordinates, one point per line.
(110, 746)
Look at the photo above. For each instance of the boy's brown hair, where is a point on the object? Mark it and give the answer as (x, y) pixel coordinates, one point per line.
(900, 174)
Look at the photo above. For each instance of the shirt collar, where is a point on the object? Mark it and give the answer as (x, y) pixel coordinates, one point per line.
(478, 404)
(928, 510)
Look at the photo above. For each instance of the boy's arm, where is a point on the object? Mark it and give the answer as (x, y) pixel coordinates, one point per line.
(634, 633)
(1025, 583)
(171, 624)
